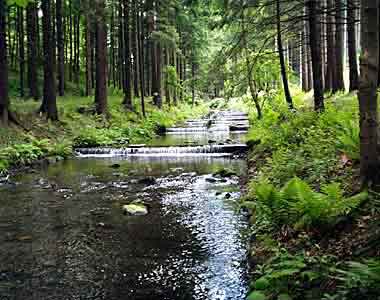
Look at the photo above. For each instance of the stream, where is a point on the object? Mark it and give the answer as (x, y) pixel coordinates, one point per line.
(63, 233)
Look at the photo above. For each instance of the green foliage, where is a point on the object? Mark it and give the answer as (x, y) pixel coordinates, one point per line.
(256, 295)
(306, 144)
(284, 276)
(349, 141)
(357, 280)
(297, 205)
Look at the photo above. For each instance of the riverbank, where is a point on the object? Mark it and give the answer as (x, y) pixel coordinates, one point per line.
(35, 138)
(314, 235)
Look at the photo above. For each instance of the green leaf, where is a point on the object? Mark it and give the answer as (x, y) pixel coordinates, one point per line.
(261, 284)
(284, 297)
(257, 296)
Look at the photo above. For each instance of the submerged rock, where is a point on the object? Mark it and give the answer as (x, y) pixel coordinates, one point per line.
(115, 166)
(147, 180)
(135, 209)
(211, 180)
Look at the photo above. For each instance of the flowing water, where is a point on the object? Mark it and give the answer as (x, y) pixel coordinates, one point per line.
(63, 234)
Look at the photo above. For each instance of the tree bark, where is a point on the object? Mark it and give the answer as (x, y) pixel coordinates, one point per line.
(60, 48)
(284, 75)
(32, 33)
(101, 58)
(127, 43)
(21, 49)
(4, 98)
(88, 52)
(331, 54)
(369, 67)
(49, 103)
(352, 46)
(315, 45)
(339, 45)
(140, 34)
(136, 57)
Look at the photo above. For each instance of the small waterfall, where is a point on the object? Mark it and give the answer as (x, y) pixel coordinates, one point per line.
(174, 151)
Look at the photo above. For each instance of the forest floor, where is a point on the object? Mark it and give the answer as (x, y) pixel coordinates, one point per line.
(314, 235)
(36, 138)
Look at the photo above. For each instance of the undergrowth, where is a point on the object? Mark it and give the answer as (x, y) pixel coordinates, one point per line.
(303, 187)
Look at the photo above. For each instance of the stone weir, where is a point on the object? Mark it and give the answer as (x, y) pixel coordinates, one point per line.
(221, 121)
(164, 151)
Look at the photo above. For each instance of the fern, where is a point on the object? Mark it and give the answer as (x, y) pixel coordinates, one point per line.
(297, 205)
(348, 140)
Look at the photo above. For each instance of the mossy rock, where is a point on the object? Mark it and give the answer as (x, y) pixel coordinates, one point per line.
(135, 209)
(225, 173)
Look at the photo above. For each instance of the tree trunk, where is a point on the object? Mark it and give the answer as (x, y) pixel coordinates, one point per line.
(305, 81)
(101, 58)
(352, 46)
(60, 48)
(4, 100)
(193, 67)
(167, 87)
(49, 103)
(32, 32)
(315, 45)
(369, 67)
(127, 43)
(71, 40)
(135, 39)
(140, 34)
(339, 45)
(21, 49)
(331, 54)
(288, 97)
(88, 53)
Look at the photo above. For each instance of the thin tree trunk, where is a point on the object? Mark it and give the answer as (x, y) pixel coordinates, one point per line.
(140, 34)
(315, 45)
(4, 100)
(369, 67)
(352, 46)
(21, 49)
(71, 40)
(49, 103)
(288, 97)
(339, 45)
(32, 24)
(305, 81)
(167, 88)
(331, 54)
(60, 48)
(101, 58)
(135, 38)
(88, 54)
(127, 43)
